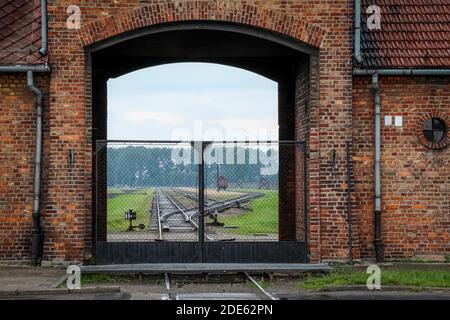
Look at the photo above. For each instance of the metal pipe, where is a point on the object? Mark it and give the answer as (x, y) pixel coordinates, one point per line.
(40, 68)
(379, 252)
(36, 231)
(158, 211)
(44, 28)
(357, 35)
(349, 204)
(401, 72)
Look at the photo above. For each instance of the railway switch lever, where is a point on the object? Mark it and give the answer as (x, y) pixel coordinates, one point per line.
(131, 216)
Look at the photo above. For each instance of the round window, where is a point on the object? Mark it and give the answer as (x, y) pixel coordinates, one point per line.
(433, 130)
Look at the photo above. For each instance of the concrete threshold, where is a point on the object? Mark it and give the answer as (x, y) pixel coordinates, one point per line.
(58, 291)
(193, 268)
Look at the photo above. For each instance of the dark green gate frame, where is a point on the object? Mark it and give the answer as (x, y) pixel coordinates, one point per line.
(200, 251)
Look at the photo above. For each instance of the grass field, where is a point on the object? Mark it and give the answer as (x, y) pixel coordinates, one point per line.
(139, 201)
(224, 195)
(263, 219)
(414, 278)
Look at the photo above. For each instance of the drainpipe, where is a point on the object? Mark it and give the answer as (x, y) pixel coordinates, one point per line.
(24, 68)
(357, 35)
(349, 203)
(36, 231)
(44, 28)
(379, 248)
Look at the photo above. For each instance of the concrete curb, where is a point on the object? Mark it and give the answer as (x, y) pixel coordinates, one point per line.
(46, 292)
(331, 288)
(435, 266)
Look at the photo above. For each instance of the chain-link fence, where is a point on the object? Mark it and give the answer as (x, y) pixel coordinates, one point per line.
(142, 189)
(150, 191)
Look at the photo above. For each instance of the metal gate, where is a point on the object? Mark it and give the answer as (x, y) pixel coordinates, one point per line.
(191, 202)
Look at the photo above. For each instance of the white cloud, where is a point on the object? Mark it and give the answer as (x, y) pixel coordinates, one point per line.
(249, 124)
(162, 117)
(230, 103)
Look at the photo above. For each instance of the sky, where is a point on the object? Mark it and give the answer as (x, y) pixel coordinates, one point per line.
(192, 101)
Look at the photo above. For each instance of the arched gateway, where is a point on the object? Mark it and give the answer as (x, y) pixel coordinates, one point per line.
(282, 47)
(150, 41)
(346, 201)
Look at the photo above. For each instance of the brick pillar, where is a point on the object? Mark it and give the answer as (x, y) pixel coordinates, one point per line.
(302, 107)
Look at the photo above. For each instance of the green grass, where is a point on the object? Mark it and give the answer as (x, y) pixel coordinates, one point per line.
(114, 278)
(263, 219)
(413, 278)
(139, 201)
(115, 190)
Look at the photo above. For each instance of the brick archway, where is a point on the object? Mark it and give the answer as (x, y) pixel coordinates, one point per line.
(217, 11)
(326, 111)
(243, 19)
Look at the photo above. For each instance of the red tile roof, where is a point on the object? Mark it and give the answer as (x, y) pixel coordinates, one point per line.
(20, 32)
(414, 33)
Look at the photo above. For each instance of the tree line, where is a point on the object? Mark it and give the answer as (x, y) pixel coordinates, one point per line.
(144, 166)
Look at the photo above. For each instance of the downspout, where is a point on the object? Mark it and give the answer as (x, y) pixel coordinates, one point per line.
(44, 28)
(378, 242)
(349, 203)
(357, 35)
(36, 231)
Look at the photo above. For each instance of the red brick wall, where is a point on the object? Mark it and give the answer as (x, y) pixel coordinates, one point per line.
(326, 24)
(17, 147)
(304, 20)
(415, 180)
(302, 111)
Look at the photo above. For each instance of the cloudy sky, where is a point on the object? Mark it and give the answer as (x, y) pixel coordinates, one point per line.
(188, 101)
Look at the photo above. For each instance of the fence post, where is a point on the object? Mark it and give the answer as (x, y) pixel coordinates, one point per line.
(201, 198)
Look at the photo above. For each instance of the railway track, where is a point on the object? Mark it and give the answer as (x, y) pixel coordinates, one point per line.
(193, 196)
(215, 206)
(171, 216)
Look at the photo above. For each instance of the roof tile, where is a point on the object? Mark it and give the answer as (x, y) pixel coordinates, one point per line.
(414, 34)
(20, 32)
